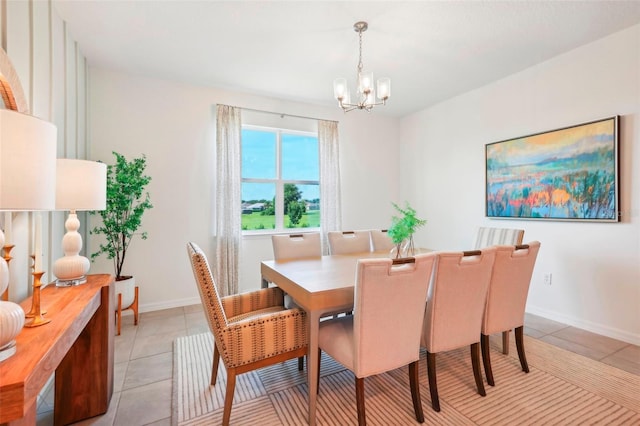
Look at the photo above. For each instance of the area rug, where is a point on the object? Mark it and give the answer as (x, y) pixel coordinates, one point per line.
(562, 388)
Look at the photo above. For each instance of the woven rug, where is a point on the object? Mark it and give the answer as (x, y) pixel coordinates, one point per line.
(562, 388)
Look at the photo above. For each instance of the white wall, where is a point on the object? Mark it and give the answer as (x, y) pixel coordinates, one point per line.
(52, 73)
(173, 125)
(595, 266)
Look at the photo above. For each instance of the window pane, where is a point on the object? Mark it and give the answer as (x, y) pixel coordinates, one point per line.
(258, 154)
(301, 206)
(257, 206)
(300, 157)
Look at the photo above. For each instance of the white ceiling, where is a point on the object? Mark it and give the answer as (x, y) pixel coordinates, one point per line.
(431, 50)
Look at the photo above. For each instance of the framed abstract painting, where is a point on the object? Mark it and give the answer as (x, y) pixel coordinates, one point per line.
(563, 174)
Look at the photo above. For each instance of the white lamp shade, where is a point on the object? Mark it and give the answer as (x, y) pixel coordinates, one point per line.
(27, 162)
(80, 185)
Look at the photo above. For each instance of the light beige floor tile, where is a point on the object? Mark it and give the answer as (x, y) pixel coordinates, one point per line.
(198, 329)
(143, 371)
(532, 332)
(161, 325)
(591, 340)
(574, 347)
(145, 346)
(123, 345)
(543, 325)
(627, 359)
(193, 308)
(164, 313)
(119, 373)
(163, 422)
(144, 404)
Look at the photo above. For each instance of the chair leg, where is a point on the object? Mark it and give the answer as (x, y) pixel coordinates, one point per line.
(318, 380)
(505, 342)
(301, 363)
(433, 386)
(475, 361)
(119, 313)
(228, 397)
(415, 391)
(362, 420)
(134, 306)
(486, 358)
(214, 367)
(520, 346)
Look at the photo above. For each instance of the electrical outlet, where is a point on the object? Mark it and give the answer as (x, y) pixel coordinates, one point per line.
(547, 279)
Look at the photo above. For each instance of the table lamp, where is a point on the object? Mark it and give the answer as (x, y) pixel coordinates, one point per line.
(27, 183)
(80, 185)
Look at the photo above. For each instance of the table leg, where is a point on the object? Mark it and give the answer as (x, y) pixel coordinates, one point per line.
(312, 363)
(264, 283)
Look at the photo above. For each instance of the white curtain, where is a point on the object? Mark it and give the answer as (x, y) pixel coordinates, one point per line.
(228, 198)
(330, 197)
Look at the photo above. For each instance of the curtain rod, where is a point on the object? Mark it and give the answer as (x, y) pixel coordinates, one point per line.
(282, 114)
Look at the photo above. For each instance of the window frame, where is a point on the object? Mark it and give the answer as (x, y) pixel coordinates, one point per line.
(278, 181)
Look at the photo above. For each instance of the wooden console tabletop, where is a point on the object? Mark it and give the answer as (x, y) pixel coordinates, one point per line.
(77, 344)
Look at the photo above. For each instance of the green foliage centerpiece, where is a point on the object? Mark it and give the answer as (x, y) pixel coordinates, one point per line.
(127, 201)
(402, 228)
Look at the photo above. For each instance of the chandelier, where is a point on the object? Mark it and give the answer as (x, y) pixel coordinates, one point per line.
(365, 94)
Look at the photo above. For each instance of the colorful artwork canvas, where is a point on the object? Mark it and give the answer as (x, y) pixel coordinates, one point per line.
(564, 174)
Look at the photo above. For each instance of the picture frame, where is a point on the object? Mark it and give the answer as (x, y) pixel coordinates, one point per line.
(571, 173)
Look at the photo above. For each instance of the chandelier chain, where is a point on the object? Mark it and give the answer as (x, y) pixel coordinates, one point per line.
(360, 57)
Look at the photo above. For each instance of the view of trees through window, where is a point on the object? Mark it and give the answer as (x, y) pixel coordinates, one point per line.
(280, 179)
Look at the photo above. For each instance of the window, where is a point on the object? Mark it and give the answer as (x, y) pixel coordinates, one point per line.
(280, 179)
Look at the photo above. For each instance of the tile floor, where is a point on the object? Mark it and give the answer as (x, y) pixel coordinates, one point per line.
(143, 362)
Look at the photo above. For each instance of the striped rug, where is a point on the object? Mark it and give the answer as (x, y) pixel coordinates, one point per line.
(562, 388)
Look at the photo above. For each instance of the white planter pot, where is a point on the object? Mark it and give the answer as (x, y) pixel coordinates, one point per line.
(127, 289)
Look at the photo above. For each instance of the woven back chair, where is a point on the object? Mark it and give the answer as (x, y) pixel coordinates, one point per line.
(388, 309)
(455, 306)
(250, 330)
(507, 298)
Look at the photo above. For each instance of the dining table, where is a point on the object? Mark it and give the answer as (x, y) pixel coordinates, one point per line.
(321, 286)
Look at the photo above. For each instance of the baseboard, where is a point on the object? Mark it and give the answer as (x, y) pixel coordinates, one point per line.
(603, 330)
(179, 303)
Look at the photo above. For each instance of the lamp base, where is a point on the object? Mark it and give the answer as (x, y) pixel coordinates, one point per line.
(7, 350)
(71, 282)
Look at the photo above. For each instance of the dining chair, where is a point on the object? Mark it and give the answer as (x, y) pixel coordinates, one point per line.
(507, 297)
(347, 242)
(296, 246)
(487, 237)
(251, 330)
(380, 240)
(455, 305)
(388, 309)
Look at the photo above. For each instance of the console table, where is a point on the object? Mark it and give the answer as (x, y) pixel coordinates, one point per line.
(77, 344)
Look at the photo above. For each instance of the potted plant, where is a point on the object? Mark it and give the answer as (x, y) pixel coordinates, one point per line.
(402, 230)
(127, 200)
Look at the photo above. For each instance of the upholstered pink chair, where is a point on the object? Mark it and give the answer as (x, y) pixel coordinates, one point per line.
(292, 247)
(487, 237)
(250, 330)
(380, 240)
(507, 297)
(346, 242)
(455, 305)
(296, 246)
(388, 309)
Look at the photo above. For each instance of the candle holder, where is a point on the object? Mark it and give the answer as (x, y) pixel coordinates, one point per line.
(7, 257)
(35, 313)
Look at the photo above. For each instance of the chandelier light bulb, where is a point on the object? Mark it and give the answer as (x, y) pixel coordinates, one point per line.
(340, 88)
(384, 88)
